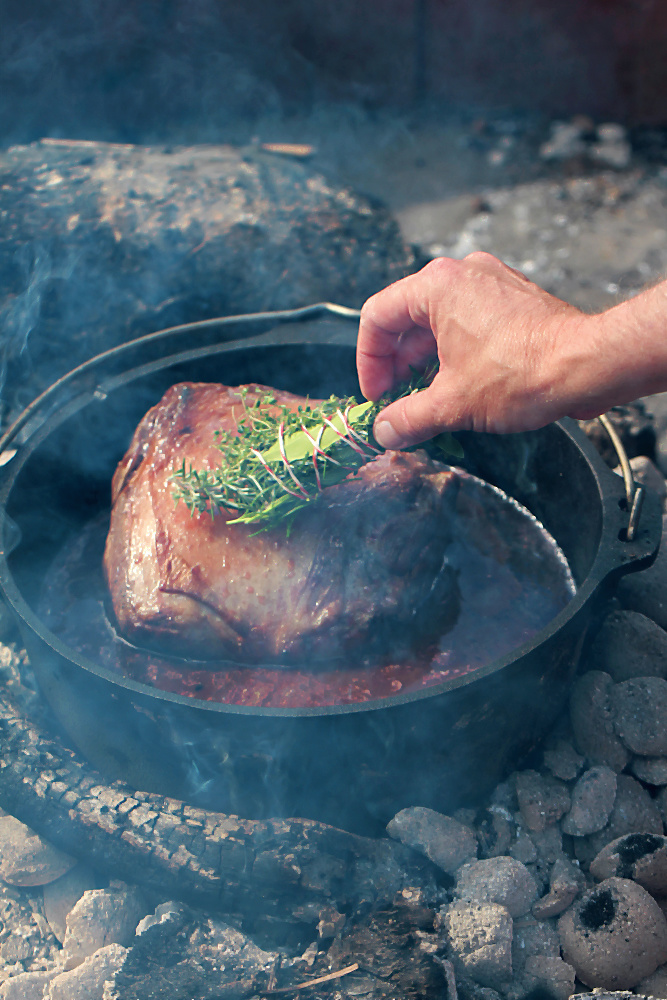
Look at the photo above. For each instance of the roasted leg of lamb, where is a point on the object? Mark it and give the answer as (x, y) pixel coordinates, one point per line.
(361, 573)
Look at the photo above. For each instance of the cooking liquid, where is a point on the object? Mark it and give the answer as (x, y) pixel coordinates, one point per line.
(513, 580)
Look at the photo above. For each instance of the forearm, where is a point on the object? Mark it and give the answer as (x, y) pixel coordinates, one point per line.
(633, 346)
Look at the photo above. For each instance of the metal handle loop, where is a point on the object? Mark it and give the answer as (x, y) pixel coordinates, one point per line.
(634, 494)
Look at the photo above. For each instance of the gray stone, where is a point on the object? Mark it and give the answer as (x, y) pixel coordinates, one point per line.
(641, 857)
(523, 849)
(563, 761)
(445, 841)
(593, 722)
(550, 975)
(661, 801)
(500, 880)
(549, 844)
(634, 812)
(494, 834)
(165, 913)
(650, 770)
(542, 799)
(26, 859)
(26, 986)
(86, 981)
(480, 938)
(566, 882)
(656, 984)
(61, 896)
(629, 645)
(101, 917)
(532, 938)
(592, 802)
(614, 936)
(639, 707)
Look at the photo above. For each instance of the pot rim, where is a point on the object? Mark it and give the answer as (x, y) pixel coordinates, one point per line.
(616, 557)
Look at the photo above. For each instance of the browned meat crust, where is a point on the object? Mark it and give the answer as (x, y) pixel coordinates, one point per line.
(363, 572)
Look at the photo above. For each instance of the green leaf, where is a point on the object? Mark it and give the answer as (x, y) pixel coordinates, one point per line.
(278, 463)
(448, 445)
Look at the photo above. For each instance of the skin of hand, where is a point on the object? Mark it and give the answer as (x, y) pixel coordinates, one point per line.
(511, 356)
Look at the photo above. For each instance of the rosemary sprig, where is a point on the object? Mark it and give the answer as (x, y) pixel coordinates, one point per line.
(279, 462)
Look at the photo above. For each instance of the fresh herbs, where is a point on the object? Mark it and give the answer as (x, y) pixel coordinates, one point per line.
(280, 460)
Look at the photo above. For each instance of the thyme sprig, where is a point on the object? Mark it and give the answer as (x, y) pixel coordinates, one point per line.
(280, 460)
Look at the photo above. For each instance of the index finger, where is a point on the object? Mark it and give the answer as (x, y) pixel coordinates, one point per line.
(387, 316)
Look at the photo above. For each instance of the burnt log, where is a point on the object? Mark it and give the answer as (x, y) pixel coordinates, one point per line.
(101, 243)
(184, 956)
(276, 871)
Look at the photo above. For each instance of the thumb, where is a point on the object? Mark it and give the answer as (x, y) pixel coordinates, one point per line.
(410, 420)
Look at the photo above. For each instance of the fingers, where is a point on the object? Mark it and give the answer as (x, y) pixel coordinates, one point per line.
(413, 419)
(389, 320)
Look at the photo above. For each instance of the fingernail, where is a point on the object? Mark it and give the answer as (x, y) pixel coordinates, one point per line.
(386, 436)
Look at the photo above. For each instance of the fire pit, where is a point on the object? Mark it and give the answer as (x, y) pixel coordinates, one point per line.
(353, 765)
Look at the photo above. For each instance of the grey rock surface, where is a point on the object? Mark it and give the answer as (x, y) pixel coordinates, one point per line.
(523, 848)
(445, 841)
(61, 896)
(542, 799)
(26, 859)
(126, 239)
(614, 936)
(654, 985)
(549, 974)
(593, 723)
(565, 883)
(101, 917)
(639, 707)
(650, 770)
(641, 857)
(480, 937)
(629, 645)
(27, 985)
(87, 980)
(592, 802)
(500, 880)
(563, 761)
(634, 812)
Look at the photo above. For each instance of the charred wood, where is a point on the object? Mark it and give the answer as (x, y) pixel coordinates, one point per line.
(278, 872)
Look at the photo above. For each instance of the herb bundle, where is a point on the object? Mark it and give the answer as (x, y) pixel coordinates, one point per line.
(280, 460)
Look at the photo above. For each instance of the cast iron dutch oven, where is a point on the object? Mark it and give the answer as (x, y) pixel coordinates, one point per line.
(355, 765)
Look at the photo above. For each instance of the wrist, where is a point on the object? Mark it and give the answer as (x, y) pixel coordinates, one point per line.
(634, 336)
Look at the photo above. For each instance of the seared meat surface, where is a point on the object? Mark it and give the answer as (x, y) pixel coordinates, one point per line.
(362, 572)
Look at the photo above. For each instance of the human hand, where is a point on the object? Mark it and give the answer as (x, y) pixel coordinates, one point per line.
(505, 347)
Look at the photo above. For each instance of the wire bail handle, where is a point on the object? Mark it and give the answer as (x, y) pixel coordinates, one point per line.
(634, 494)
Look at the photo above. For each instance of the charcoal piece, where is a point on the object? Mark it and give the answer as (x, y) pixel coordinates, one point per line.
(103, 242)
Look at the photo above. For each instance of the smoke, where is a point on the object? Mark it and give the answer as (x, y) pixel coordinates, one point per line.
(19, 313)
(136, 72)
